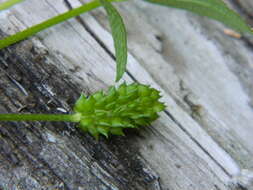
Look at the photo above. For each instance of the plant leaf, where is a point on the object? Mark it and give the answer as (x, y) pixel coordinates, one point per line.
(215, 9)
(119, 36)
(7, 4)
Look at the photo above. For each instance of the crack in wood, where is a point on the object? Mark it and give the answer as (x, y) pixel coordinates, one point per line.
(94, 35)
(200, 146)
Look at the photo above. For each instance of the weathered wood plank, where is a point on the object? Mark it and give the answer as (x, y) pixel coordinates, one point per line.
(55, 155)
(191, 57)
(177, 148)
(231, 140)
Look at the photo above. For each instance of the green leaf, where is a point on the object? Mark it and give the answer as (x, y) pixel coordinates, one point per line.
(7, 4)
(215, 9)
(119, 36)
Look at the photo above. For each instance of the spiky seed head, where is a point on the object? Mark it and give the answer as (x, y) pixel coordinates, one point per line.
(128, 106)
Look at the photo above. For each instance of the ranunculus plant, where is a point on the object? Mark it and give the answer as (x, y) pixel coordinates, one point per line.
(105, 113)
(129, 106)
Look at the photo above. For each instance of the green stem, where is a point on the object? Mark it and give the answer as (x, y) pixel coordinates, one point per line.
(41, 117)
(48, 23)
(8, 4)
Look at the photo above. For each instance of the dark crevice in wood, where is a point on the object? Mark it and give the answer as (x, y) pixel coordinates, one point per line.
(249, 17)
(242, 10)
(89, 30)
(194, 140)
(96, 38)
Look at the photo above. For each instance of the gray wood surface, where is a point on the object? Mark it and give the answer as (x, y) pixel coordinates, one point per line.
(204, 139)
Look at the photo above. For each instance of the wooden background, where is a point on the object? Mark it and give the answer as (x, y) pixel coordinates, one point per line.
(204, 139)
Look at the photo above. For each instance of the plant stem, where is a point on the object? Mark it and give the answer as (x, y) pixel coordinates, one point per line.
(50, 22)
(41, 117)
(8, 4)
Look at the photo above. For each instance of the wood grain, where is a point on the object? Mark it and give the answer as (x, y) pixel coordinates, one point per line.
(202, 141)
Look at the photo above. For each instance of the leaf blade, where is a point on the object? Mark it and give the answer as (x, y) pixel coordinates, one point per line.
(119, 36)
(215, 9)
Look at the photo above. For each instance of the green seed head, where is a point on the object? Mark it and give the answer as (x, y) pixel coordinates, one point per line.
(129, 106)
